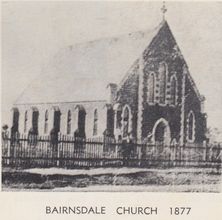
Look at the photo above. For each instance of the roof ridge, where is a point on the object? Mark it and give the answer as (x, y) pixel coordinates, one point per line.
(135, 63)
(108, 61)
(81, 43)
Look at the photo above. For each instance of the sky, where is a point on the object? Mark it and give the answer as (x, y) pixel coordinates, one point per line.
(33, 32)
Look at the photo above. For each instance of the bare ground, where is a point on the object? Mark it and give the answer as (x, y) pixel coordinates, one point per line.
(112, 180)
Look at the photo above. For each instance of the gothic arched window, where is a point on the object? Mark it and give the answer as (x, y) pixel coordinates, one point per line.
(35, 121)
(46, 122)
(126, 121)
(69, 120)
(95, 123)
(162, 77)
(151, 88)
(56, 120)
(173, 90)
(191, 127)
(25, 121)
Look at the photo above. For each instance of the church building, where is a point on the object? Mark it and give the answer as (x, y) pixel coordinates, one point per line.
(136, 84)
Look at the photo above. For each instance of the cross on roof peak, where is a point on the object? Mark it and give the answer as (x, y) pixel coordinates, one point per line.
(164, 10)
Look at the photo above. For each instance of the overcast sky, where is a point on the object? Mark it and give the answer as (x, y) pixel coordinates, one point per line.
(32, 32)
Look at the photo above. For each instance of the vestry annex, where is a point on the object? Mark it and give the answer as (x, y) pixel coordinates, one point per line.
(137, 84)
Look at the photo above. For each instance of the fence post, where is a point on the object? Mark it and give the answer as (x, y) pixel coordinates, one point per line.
(57, 163)
(139, 154)
(58, 150)
(173, 154)
(8, 150)
(116, 150)
(180, 155)
(205, 152)
(12, 146)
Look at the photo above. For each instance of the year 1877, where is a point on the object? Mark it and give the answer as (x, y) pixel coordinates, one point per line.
(180, 210)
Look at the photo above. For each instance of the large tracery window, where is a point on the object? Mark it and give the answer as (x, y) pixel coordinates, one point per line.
(95, 123)
(126, 121)
(69, 120)
(191, 127)
(173, 91)
(151, 88)
(162, 77)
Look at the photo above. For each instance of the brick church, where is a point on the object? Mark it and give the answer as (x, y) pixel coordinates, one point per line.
(136, 84)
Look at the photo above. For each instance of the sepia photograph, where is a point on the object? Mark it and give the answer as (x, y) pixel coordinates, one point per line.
(111, 96)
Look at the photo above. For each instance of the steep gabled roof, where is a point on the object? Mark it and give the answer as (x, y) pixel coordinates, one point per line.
(82, 72)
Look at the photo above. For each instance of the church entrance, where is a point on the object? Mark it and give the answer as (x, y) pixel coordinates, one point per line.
(161, 132)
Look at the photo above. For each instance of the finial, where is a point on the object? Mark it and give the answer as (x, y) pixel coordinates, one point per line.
(164, 10)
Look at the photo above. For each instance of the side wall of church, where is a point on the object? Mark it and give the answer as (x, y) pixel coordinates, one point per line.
(89, 107)
(192, 103)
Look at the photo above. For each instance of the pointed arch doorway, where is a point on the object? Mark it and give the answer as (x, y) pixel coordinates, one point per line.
(161, 132)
